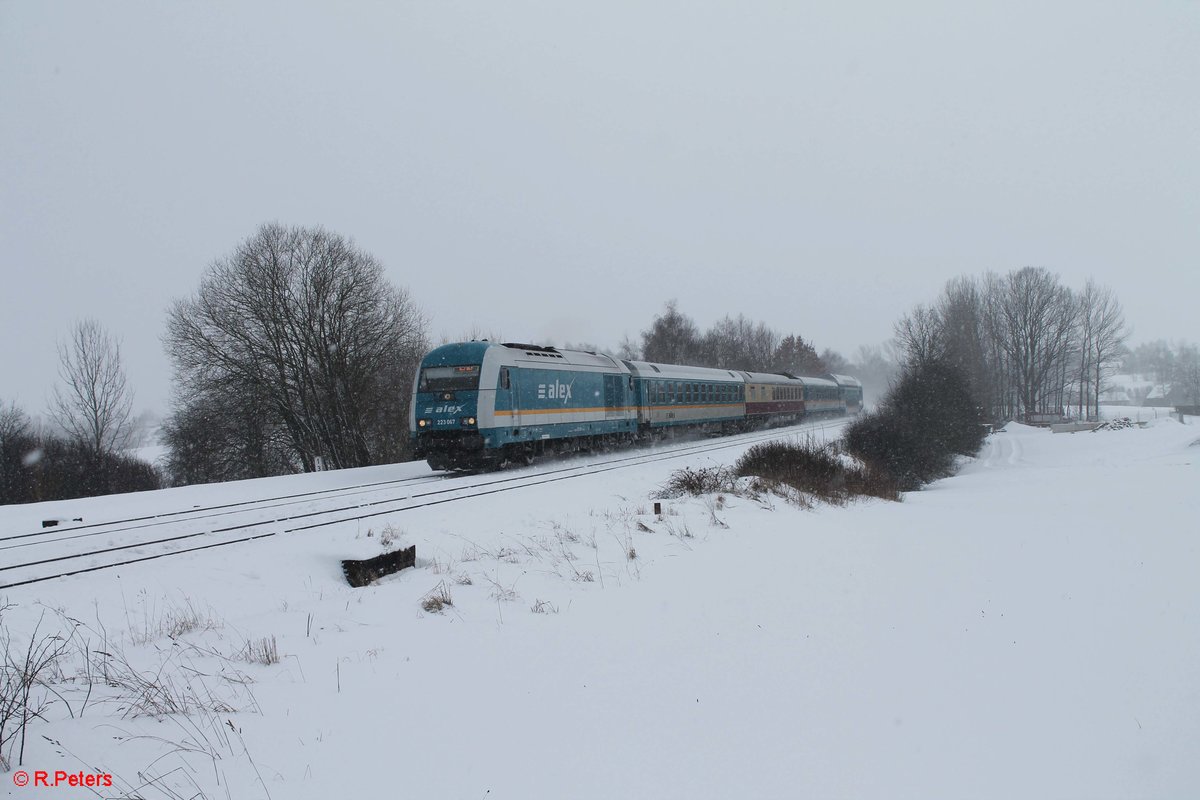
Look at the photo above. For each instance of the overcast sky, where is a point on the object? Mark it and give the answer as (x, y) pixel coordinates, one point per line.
(557, 170)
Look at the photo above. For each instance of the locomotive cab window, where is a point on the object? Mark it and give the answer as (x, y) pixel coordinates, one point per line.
(504, 380)
(449, 379)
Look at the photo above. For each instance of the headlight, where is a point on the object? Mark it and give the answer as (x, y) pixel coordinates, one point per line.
(421, 423)
(468, 421)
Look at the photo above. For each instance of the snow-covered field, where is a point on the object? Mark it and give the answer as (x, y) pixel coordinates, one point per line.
(1028, 628)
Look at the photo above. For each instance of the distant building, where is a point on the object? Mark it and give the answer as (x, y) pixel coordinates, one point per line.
(1165, 396)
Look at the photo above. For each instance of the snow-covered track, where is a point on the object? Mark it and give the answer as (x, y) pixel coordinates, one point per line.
(46, 559)
(203, 512)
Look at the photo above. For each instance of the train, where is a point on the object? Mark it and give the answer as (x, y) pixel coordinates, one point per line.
(485, 405)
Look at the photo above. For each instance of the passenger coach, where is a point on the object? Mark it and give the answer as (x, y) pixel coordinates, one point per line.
(669, 396)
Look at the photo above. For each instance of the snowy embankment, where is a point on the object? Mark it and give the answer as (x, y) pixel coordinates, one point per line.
(1026, 628)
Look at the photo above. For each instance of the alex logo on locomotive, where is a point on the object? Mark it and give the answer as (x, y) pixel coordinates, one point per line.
(554, 391)
(444, 409)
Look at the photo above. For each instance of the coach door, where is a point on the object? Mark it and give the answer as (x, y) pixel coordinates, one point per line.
(614, 396)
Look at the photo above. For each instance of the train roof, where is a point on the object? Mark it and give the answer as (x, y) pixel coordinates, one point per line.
(517, 353)
(817, 381)
(646, 369)
(844, 380)
(770, 377)
(552, 356)
(454, 354)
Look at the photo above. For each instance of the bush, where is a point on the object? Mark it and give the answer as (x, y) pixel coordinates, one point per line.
(927, 419)
(817, 468)
(695, 482)
(35, 466)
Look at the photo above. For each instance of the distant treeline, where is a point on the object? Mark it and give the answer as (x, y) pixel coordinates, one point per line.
(740, 343)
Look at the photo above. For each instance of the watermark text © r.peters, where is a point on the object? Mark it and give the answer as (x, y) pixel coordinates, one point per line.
(41, 777)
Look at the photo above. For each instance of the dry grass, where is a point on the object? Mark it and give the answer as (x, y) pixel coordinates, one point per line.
(264, 651)
(701, 481)
(543, 607)
(437, 599)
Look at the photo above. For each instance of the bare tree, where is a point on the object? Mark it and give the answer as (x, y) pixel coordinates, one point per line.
(672, 338)
(93, 401)
(919, 336)
(737, 343)
(629, 349)
(1154, 361)
(835, 362)
(305, 333)
(17, 444)
(1037, 326)
(1102, 338)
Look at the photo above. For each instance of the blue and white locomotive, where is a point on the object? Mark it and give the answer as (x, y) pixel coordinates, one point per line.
(481, 404)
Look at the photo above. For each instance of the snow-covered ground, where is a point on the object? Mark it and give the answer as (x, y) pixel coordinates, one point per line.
(1028, 628)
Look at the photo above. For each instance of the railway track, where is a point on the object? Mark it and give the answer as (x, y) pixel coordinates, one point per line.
(31, 558)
